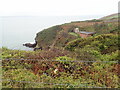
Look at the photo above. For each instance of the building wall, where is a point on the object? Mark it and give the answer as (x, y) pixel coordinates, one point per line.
(84, 35)
(76, 30)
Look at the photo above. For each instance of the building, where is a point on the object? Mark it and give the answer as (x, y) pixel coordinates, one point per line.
(83, 34)
(76, 30)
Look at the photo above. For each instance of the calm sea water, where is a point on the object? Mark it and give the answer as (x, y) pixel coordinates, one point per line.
(16, 30)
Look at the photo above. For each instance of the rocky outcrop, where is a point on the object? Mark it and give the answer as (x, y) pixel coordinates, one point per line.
(30, 45)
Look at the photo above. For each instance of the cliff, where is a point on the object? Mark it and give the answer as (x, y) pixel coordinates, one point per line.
(60, 35)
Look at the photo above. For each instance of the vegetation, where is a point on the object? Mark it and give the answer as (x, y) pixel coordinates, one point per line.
(113, 16)
(105, 43)
(74, 34)
(60, 35)
(72, 62)
(47, 36)
(40, 74)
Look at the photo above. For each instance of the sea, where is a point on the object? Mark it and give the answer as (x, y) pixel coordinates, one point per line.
(17, 30)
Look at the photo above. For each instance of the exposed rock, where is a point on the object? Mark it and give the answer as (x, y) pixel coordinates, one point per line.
(30, 45)
(40, 48)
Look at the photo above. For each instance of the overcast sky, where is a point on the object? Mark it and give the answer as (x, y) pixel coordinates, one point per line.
(57, 7)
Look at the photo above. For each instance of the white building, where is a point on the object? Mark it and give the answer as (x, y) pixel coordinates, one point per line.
(76, 30)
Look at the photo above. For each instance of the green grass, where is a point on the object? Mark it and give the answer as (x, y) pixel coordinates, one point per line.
(115, 16)
(74, 34)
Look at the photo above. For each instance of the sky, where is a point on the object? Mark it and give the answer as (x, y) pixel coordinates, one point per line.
(57, 7)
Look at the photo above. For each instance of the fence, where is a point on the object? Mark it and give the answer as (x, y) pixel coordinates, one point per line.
(35, 73)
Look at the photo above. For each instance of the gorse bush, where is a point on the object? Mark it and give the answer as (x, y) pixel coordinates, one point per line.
(106, 43)
(77, 75)
(7, 53)
(41, 74)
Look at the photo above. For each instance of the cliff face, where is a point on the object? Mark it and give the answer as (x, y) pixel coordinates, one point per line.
(60, 35)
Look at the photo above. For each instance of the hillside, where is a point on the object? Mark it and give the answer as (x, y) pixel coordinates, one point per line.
(88, 63)
(105, 43)
(60, 35)
(66, 59)
(112, 16)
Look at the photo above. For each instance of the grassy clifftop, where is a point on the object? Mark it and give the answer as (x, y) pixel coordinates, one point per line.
(46, 37)
(112, 16)
(60, 35)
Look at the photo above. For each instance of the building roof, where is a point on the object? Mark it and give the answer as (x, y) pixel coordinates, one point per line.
(87, 32)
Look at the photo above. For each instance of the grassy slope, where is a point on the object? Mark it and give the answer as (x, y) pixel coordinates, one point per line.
(110, 16)
(60, 34)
